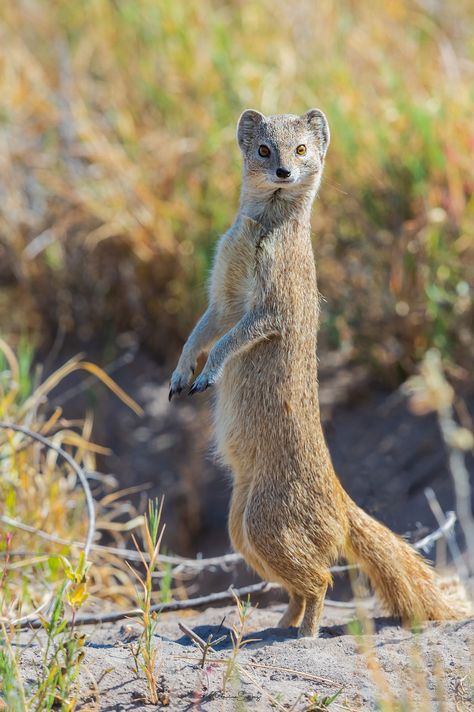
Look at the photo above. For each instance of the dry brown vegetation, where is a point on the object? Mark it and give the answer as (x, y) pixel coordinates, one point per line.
(43, 514)
(119, 165)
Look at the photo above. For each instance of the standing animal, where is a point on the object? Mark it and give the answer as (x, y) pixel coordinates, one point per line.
(289, 515)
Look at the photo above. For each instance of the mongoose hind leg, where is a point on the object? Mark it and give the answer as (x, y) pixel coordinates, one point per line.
(294, 612)
(312, 615)
(236, 526)
(238, 503)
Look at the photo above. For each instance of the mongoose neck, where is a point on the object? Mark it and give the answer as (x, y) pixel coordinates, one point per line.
(273, 207)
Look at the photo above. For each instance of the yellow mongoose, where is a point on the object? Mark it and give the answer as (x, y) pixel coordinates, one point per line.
(289, 515)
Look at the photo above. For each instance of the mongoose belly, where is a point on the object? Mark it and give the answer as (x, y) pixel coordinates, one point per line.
(258, 409)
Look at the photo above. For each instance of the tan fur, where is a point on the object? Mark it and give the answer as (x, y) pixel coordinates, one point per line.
(289, 515)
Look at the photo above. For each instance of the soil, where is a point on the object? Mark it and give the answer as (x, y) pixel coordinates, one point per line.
(278, 670)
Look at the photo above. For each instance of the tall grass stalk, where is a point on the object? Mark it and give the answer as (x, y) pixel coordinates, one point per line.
(146, 652)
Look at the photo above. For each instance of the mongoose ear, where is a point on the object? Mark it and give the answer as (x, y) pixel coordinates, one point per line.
(248, 122)
(319, 127)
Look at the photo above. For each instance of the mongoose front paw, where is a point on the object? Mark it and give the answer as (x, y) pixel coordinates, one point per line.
(203, 381)
(180, 380)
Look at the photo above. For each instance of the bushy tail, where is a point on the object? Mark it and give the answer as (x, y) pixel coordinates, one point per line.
(404, 581)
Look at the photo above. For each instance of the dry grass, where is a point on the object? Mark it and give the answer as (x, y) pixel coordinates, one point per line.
(118, 154)
(145, 653)
(42, 495)
(44, 574)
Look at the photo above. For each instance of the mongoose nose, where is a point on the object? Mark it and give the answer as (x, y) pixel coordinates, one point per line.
(283, 173)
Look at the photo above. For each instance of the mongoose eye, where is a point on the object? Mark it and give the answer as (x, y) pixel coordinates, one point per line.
(263, 151)
(301, 149)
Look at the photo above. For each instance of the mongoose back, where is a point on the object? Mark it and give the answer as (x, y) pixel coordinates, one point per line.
(289, 515)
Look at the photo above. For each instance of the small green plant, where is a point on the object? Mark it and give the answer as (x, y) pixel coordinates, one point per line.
(238, 630)
(12, 690)
(64, 649)
(317, 703)
(145, 654)
(57, 674)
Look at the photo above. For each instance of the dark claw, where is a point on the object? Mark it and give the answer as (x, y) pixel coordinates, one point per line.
(173, 391)
(200, 384)
(197, 387)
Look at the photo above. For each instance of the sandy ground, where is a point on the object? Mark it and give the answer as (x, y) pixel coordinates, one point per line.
(278, 670)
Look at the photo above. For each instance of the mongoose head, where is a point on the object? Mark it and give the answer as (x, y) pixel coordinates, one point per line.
(283, 151)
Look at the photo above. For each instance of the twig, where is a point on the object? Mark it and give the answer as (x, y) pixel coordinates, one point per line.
(450, 538)
(32, 618)
(350, 605)
(204, 645)
(445, 528)
(199, 564)
(218, 597)
(130, 554)
(123, 360)
(198, 602)
(273, 668)
(460, 475)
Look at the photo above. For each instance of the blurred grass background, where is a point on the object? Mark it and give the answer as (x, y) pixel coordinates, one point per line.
(119, 167)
